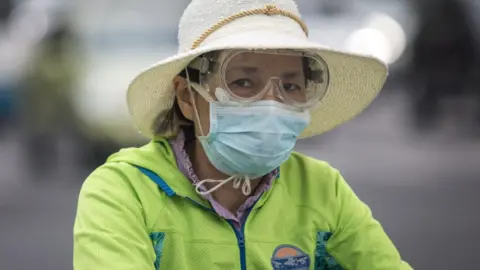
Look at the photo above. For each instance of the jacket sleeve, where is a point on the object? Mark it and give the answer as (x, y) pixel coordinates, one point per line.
(359, 241)
(109, 230)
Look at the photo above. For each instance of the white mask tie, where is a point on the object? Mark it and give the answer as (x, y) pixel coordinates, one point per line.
(237, 181)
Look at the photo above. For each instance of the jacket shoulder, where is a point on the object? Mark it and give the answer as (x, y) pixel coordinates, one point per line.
(309, 169)
(312, 184)
(124, 183)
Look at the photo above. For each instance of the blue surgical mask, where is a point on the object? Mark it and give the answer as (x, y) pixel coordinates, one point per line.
(252, 140)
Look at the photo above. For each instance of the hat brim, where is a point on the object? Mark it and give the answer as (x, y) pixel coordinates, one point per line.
(355, 80)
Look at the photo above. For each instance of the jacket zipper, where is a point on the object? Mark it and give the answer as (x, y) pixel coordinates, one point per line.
(241, 246)
(238, 234)
(241, 239)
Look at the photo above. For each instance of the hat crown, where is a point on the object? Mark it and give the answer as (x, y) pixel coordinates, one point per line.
(201, 15)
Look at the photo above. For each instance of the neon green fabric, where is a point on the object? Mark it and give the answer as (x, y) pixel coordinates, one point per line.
(309, 219)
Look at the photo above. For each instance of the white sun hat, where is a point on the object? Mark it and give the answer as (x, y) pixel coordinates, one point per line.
(211, 25)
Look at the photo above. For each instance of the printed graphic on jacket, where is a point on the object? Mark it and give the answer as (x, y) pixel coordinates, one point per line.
(288, 257)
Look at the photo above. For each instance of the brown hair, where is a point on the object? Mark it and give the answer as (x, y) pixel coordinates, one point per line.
(169, 123)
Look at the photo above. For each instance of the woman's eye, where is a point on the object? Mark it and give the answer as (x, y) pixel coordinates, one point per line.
(291, 87)
(244, 83)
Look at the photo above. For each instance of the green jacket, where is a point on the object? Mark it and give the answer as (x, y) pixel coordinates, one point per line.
(138, 211)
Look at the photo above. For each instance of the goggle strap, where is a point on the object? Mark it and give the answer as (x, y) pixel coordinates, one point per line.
(201, 64)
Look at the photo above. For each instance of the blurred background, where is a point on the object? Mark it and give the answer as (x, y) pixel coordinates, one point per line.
(413, 156)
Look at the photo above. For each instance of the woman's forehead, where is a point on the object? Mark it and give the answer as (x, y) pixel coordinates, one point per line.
(266, 58)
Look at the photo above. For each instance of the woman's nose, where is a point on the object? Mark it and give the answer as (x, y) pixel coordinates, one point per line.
(274, 92)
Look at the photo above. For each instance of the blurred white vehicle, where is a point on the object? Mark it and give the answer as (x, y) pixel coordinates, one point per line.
(372, 27)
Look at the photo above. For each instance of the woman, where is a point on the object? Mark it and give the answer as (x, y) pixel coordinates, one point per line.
(219, 187)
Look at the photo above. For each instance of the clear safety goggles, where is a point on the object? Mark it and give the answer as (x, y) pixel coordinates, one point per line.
(295, 78)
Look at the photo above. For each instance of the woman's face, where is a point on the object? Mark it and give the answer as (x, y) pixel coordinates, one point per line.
(245, 74)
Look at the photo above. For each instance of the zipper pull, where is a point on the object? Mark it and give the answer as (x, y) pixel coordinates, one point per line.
(241, 242)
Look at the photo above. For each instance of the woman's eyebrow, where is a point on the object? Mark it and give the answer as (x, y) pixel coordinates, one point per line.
(290, 74)
(246, 69)
(250, 69)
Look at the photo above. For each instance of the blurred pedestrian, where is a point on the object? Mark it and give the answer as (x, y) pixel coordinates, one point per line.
(46, 97)
(444, 58)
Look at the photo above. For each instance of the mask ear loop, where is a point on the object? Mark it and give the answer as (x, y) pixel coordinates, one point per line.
(189, 87)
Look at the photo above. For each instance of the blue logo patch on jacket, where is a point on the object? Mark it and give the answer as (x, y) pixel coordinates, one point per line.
(288, 257)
